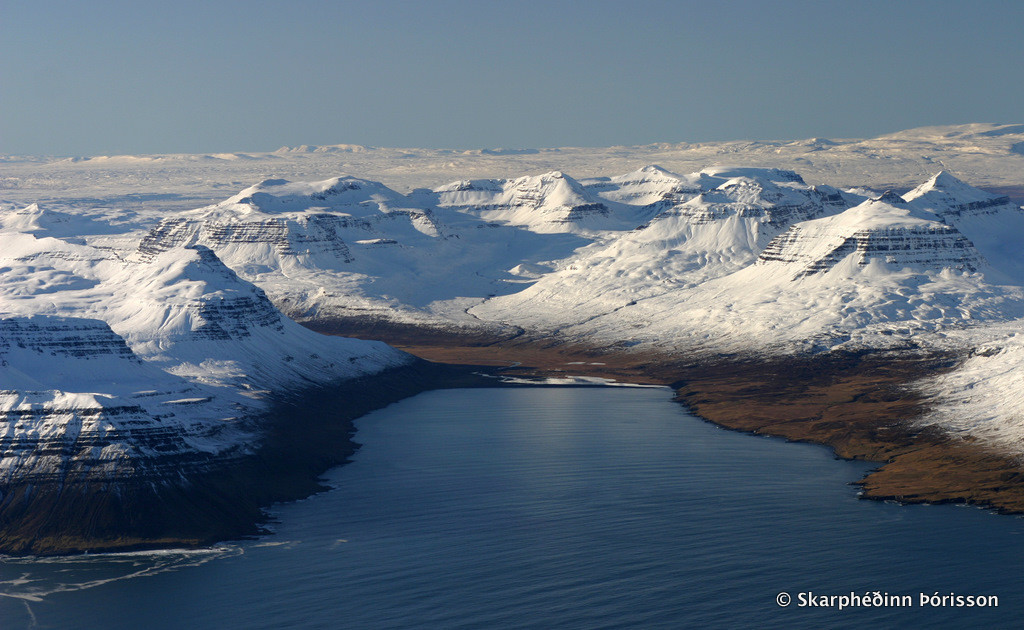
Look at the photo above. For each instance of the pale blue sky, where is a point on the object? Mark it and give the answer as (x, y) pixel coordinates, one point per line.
(107, 76)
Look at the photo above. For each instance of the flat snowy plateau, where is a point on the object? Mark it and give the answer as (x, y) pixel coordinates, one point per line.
(149, 303)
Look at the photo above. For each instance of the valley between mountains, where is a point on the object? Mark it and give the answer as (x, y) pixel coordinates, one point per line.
(177, 355)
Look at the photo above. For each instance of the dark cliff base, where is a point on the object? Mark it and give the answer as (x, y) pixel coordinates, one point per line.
(307, 434)
(856, 403)
(400, 334)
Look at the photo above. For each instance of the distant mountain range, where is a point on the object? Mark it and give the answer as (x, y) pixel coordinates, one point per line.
(732, 253)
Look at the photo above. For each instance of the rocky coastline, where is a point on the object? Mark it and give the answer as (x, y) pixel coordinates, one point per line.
(303, 435)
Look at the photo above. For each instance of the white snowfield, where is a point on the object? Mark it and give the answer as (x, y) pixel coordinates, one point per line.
(801, 249)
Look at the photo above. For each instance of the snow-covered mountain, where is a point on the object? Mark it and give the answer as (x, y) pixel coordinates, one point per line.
(992, 222)
(725, 257)
(885, 231)
(877, 274)
(131, 370)
(700, 226)
(552, 202)
(349, 247)
(79, 405)
(645, 187)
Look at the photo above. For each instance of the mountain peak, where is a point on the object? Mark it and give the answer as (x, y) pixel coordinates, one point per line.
(945, 182)
(945, 179)
(351, 195)
(890, 198)
(948, 196)
(655, 169)
(205, 258)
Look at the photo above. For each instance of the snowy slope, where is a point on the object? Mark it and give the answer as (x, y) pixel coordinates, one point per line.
(702, 226)
(47, 222)
(983, 398)
(552, 202)
(348, 247)
(992, 222)
(878, 274)
(131, 370)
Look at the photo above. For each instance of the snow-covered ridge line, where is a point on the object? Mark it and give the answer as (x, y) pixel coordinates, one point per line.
(346, 247)
(144, 370)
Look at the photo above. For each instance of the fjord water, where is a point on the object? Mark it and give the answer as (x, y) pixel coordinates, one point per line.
(552, 508)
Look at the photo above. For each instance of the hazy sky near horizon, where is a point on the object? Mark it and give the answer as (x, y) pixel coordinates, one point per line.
(114, 76)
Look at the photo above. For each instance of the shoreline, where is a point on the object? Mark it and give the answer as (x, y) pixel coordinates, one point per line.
(857, 404)
(305, 434)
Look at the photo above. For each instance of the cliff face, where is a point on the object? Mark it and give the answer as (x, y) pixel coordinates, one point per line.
(128, 387)
(316, 235)
(885, 230)
(100, 449)
(78, 404)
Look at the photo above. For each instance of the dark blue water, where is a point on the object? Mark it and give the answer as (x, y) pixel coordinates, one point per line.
(553, 508)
